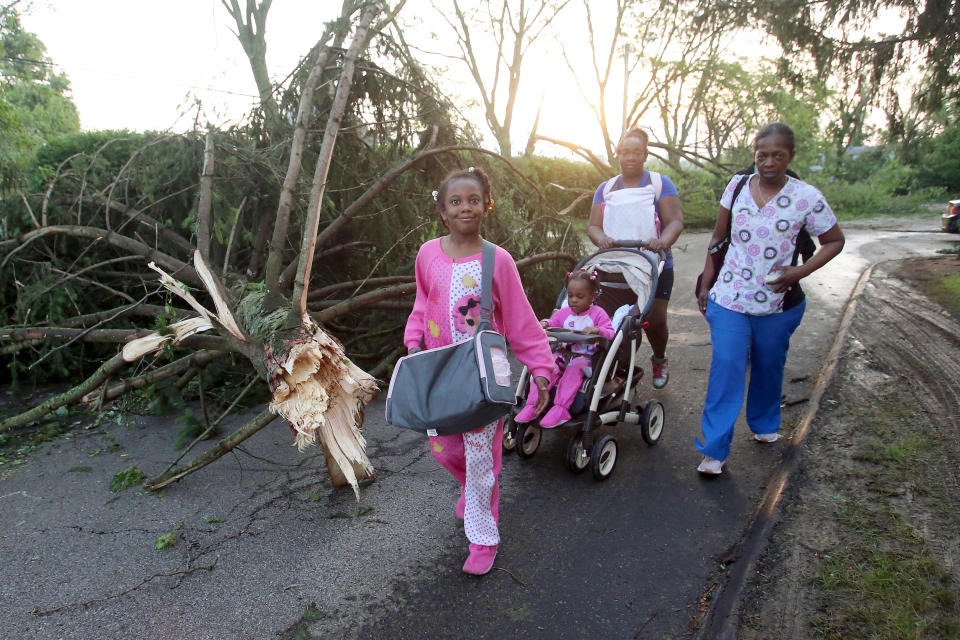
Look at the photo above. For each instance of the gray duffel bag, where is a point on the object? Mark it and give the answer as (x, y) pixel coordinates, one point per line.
(458, 387)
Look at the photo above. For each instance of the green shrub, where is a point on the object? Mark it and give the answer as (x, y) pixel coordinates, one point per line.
(868, 198)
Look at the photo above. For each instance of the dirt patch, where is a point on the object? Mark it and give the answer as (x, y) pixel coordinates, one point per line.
(868, 540)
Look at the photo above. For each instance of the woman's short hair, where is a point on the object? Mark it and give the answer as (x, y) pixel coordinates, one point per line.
(640, 134)
(777, 129)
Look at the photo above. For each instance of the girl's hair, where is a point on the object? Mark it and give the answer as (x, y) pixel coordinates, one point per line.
(590, 277)
(472, 173)
(777, 129)
(640, 134)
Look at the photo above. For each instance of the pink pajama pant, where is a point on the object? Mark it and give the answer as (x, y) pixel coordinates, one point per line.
(474, 459)
(567, 384)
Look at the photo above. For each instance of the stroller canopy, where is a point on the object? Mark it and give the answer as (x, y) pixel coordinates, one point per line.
(637, 267)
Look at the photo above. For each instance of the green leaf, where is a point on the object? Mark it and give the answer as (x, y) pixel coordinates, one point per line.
(164, 541)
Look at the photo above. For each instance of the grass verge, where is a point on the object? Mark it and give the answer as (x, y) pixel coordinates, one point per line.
(884, 579)
(946, 291)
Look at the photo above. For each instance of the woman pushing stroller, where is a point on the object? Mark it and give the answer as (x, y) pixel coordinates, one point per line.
(639, 205)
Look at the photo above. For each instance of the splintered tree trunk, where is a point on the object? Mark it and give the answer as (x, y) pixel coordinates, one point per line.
(322, 395)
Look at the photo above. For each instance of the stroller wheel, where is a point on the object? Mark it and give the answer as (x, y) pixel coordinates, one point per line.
(528, 440)
(651, 422)
(577, 458)
(603, 457)
(509, 441)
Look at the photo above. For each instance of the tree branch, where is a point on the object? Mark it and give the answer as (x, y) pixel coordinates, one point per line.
(323, 292)
(312, 223)
(363, 300)
(139, 216)
(205, 206)
(545, 257)
(198, 359)
(223, 447)
(106, 370)
(282, 223)
(326, 236)
(183, 270)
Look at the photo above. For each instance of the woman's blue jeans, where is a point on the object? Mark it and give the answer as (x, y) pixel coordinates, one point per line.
(738, 340)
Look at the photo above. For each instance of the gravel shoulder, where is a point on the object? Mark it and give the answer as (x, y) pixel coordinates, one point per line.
(867, 542)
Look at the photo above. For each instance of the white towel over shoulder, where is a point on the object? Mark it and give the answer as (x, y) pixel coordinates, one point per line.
(629, 214)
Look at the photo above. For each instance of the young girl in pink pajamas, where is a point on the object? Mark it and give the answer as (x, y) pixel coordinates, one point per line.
(448, 272)
(582, 315)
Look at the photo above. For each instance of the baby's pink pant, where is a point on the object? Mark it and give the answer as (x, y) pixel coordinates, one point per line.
(567, 385)
(474, 459)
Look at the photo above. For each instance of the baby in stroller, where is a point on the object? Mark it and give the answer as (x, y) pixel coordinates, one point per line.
(580, 314)
(604, 393)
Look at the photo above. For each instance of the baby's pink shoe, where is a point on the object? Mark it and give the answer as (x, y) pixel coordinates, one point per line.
(480, 560)
(556, 415)
(526, 414)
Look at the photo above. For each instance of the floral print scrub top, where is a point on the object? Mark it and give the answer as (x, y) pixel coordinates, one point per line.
(764, 238)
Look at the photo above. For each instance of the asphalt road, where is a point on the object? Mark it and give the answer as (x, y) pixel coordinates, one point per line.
(266, 548)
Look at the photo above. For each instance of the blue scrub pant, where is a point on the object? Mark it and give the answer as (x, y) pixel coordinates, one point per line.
(739, 339)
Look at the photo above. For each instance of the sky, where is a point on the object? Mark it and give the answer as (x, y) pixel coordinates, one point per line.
(142, 65)
(137, 64)
(145, 64)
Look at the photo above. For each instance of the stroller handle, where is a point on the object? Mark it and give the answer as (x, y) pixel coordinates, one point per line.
(638, 244)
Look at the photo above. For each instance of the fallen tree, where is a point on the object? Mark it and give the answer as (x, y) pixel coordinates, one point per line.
(255, 263)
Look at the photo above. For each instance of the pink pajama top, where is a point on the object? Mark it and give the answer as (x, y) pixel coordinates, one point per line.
(447, 306)
(592, 317)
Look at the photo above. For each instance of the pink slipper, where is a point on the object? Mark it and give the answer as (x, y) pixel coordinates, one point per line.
(556, 415)
(480, 560)
(526, 415)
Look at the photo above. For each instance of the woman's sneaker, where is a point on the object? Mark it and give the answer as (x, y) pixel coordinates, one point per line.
(710, 466)
(660, 373)
(766, 437)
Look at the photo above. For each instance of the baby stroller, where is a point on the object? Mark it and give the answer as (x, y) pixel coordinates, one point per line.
(606, 395)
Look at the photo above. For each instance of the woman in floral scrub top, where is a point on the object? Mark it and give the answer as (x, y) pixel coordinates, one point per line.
(750, 324)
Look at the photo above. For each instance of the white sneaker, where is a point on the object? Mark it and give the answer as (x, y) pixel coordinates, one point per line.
(660, 373)
(710, 466)
(766, 437)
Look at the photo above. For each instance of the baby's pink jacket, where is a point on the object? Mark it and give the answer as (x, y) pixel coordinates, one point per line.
(599, 317)
(512, 314)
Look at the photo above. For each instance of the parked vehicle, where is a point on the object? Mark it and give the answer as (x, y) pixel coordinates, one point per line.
(950, 221)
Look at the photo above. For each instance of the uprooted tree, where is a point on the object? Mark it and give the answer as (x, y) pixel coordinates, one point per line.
(220, 251)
